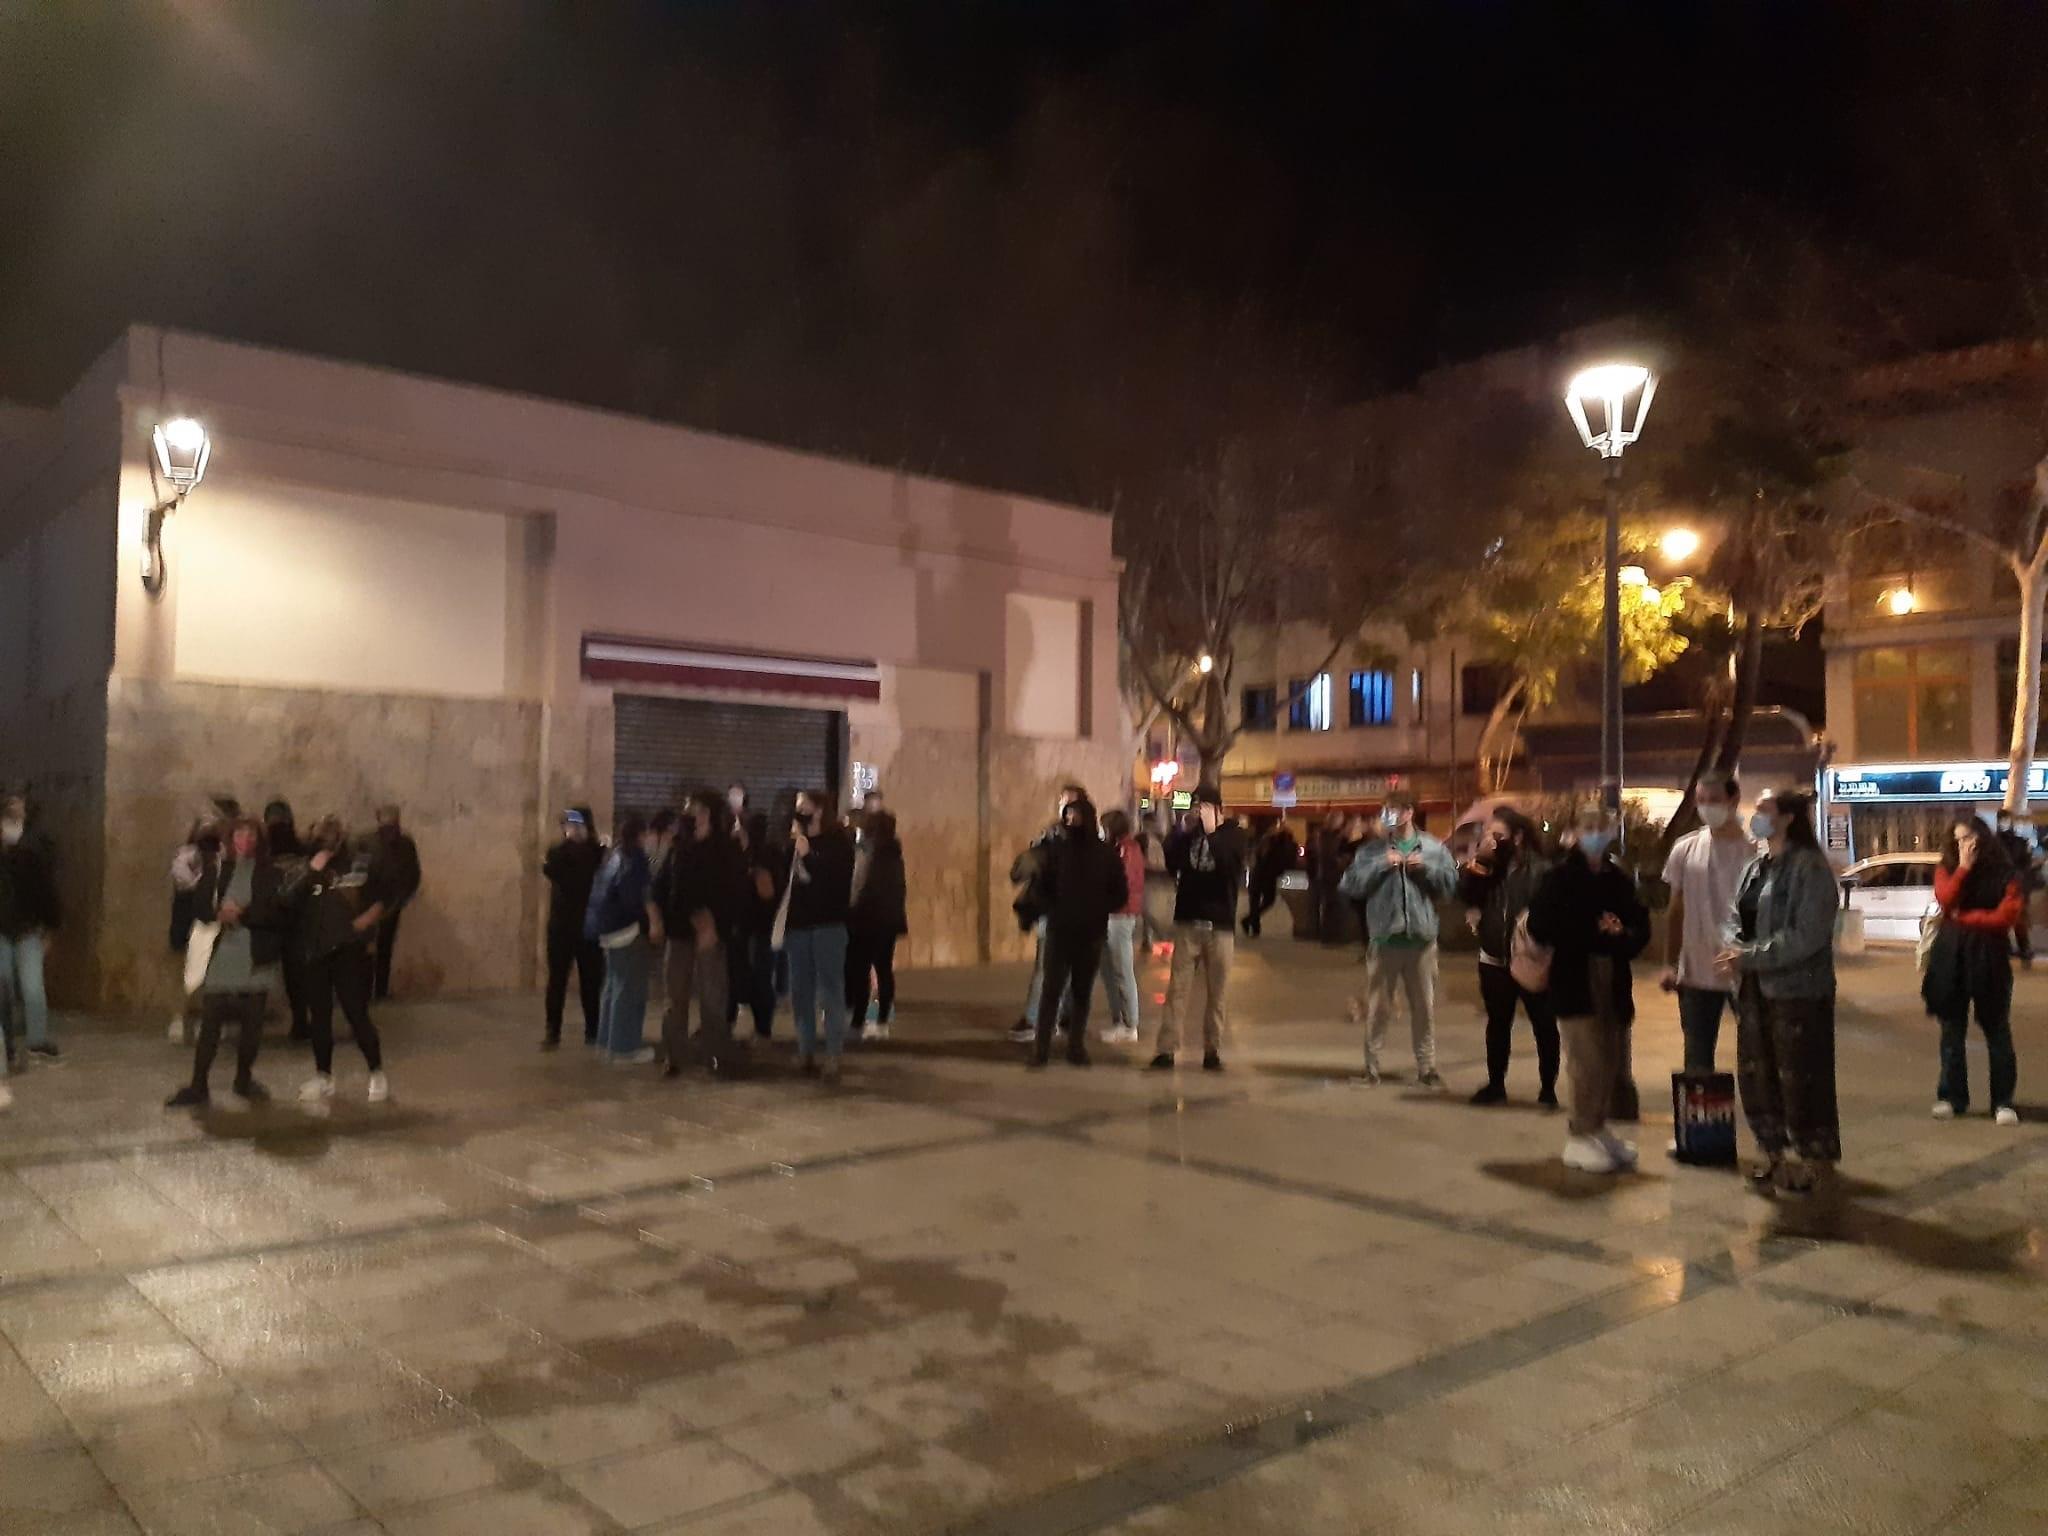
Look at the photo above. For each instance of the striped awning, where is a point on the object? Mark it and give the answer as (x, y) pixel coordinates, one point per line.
(608, 659)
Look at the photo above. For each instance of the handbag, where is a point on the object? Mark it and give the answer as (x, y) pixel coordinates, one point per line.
(1529, 961)
(778, 937)
(1703, 1118)
(199, 953)
(1930, 930)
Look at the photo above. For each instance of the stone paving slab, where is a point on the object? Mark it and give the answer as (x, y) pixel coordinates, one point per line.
(537, 1295)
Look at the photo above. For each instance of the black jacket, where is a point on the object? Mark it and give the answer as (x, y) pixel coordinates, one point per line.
(1566, 915)
(881, 910)
(701, 877)
(326, 902)
(1502, 894)
(1209, 870)
(268, 917)
(824, 882)
(1083, 880)
(399, 857)
(766, 869)
(28, 886)
(571, 869)
(1277, 854)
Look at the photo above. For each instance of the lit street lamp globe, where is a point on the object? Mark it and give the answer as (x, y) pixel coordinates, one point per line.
(1603, 394)
(1679, 544)
(182, 449)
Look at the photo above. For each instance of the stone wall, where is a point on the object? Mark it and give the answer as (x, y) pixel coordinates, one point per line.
(932, 784)
(463, 770)
(54, 748)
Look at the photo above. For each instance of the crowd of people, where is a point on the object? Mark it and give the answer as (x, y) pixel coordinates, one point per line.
(735, 910)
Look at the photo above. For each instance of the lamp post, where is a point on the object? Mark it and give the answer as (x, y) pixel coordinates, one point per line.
(1609, 390)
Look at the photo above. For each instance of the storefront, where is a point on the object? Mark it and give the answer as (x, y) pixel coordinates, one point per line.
(1873, 808)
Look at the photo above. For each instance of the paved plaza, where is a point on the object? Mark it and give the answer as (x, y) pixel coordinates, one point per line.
(533, 1295)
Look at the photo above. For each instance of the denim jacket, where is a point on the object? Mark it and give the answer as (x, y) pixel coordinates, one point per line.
(1792, 953)
(1401, 907)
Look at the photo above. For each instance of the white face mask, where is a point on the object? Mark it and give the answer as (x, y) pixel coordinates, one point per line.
(10, 832)
(737, 801)
(1763, 827)
(1715, 817)
(1595, 844)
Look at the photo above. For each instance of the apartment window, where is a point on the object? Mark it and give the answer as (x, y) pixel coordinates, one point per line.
(1310, 706)
(1480, 687)
(1912, 702)
(1417, 699)
(1372, 698)
(1261, 708)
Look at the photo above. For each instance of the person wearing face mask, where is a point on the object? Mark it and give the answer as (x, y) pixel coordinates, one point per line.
(820, 899)
(1207, 861)
(1398, 883)
(400, 857)
(1703, 871)
(240, 890)
(2017, 839)
(29, 915)
(339, 894)
(1030, 909)
(1779, 943)
(1589, 913)
(571, 869)
(1497, 885)
(1982, 898)
(625, 920)
(1084, 883)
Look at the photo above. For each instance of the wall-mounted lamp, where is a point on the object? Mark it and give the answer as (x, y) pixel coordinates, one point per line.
(1899, 601)
(182, 449)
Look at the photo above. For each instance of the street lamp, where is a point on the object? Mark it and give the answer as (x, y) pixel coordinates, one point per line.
(182, 449)
(1679, 545)
(1205, 664)
(1609, 390)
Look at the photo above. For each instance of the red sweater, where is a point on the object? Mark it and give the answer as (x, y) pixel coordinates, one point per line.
(1134, 877)
(1948, 890)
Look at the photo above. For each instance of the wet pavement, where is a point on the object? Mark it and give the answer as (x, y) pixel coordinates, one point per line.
(535, 1295)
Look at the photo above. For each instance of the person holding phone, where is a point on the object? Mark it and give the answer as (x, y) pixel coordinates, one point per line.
(820, 899)
(1398, 884)
(1207, 860)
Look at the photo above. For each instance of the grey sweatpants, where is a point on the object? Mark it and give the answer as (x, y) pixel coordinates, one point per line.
(1406, 969)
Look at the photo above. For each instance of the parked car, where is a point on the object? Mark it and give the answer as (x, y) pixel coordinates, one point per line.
(1893, 891)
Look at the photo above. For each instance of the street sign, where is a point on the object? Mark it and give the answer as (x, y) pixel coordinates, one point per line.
(1283, 792)
(1925, 782)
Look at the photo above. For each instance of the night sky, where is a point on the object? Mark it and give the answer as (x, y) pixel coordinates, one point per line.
(981, 237)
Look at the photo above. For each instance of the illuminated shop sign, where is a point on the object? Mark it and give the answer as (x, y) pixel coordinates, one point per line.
(1930, 782)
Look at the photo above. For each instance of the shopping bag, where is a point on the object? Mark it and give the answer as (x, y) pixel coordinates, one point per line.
(1703, 1118)
(199, 953)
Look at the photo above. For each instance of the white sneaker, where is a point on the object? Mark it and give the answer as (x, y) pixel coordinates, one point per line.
(318, 1087)
(1623, 1152)
(1588, 1154)
(176, 1033)
(870, 1033)
(1943, 1110)
(380, 1088)
(2006, 1115)
(638, 1058)
(1120, 1034)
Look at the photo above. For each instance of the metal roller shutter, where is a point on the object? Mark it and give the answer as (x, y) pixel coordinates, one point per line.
(666, 747)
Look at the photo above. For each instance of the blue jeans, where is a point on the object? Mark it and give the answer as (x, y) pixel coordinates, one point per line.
(1037, 986)
(21, 971)
(622, 1014)
(1699, 1019)
(817, 974)
(1120, 969)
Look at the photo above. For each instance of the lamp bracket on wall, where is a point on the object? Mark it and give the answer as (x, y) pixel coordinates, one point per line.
(181, 450)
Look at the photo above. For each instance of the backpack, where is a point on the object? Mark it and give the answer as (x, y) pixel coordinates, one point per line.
(1529, 961)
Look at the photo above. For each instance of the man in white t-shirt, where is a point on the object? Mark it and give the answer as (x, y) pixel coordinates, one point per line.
(1703, 872)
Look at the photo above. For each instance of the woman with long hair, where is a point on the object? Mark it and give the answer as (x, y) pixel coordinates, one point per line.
(625, 922)
(878, 918)
(1779, 945)
(814, 929)
(1497, 884)
(1982, 899)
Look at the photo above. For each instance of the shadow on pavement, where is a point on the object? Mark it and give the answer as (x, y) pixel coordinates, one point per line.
(1548, 1176)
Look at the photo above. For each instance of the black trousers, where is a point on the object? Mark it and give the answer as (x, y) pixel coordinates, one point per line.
(865, 953)
(216, 1011)
(1071, 961)
(345, 975)
(1264, 893)
(750, 978)
(587, 957)
(387, 940)
(295, 992)
(1499, 990)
